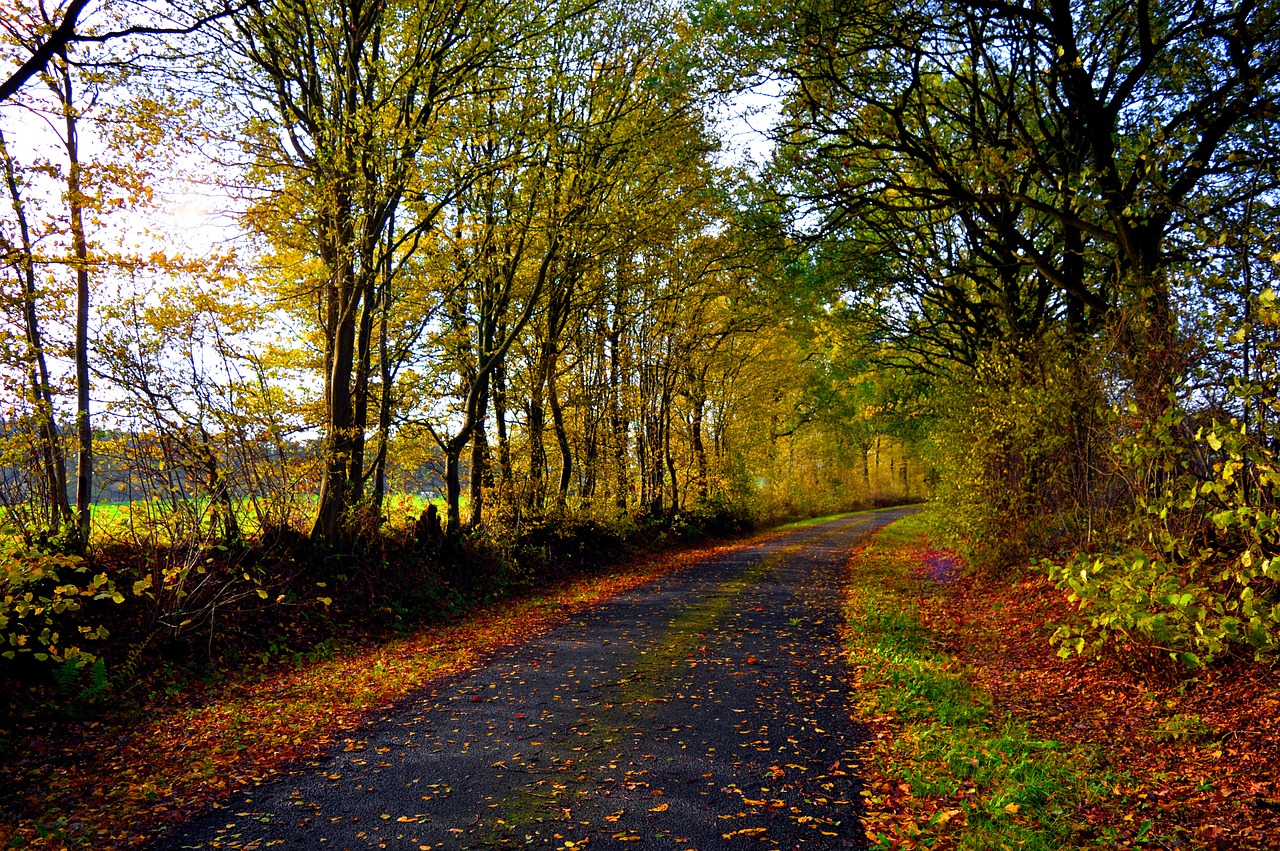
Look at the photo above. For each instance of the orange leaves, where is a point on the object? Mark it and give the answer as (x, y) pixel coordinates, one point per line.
(1177, 774)
(183, 756)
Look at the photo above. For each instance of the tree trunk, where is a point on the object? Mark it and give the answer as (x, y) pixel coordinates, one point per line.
(621, 442)
(384, 402)
(452, 492)
(334, 486)
(1156, 352)
(653, 473)
(557, 313)
(671, 463)
(866, 468)
(500, 422)
(51, 448)
(479, 458)
(695, 441)
(219, 490)
(591, 380)
(617, 421)
(562, 437)
(360, 415)
(642, 459)
(84, 428)
(536, 501)
(590, 460)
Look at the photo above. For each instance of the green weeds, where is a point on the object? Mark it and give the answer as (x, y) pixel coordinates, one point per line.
(952, 764)
(817, 521)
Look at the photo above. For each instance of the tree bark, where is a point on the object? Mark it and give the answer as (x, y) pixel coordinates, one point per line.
(671, 463)
(618, 421)
(360, 396)
(562, 437)
(618, 424)
(536, 498)
(335, 489)
(384, 398)
(219, 490)
(80, 246)
(865, 448)
(500, 423)
(593, 382)
(452, 492)
(479, 458)
(699, 403)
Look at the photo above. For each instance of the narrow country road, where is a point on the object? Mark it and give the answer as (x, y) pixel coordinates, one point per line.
(702, 711)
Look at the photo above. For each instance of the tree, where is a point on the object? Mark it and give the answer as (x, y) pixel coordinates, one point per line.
(1048, 160)
(22, 258)
(354, 91)
(75, 87)
(60, 30)
(493, 265)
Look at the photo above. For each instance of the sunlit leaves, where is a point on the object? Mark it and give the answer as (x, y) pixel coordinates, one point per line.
(38, 589)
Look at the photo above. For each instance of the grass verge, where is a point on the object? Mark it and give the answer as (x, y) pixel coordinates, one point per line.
(983, 738)
(946, 768)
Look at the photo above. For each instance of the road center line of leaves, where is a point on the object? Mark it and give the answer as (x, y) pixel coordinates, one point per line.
(648, 681)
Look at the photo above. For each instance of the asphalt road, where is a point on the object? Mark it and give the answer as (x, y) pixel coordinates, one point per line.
(706, 710)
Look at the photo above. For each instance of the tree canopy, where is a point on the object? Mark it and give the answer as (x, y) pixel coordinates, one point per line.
(492, 265)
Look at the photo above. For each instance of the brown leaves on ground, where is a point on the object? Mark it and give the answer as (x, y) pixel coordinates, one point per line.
(177, 758)
(1203, 753)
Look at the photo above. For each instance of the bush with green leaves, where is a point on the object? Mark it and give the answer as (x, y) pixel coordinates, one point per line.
(39, 595)
(1008, 442)
(1194, 573)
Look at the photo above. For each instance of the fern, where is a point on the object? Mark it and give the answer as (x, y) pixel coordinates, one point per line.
(65, 675)
(98, 682)
(130, 666)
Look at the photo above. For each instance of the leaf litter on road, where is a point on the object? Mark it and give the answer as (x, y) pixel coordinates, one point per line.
(317, 720)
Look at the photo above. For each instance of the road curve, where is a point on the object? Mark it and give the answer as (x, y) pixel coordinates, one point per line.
(696, 712)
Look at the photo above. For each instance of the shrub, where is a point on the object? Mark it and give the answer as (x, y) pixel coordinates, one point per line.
(1194, 572)
(41, 591)
(1008, 448)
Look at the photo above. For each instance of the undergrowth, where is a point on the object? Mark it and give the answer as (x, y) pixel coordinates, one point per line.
(167, 619)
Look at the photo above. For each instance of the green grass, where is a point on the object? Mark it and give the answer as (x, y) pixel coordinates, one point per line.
(815, 521)
(157, 520)
(1016, 790)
